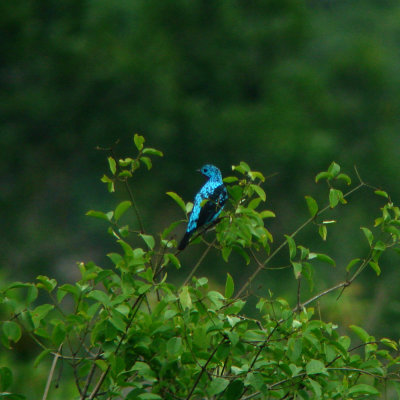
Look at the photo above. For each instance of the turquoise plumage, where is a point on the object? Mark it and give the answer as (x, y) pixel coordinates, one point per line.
(206, 212)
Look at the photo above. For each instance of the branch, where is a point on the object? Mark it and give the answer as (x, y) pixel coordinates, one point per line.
(139, 218)
(51, 373)
(135, 307)
(90, 376)
(199, 262)
(99, 383)
(203, 369)
(283, 244)
(342, 285)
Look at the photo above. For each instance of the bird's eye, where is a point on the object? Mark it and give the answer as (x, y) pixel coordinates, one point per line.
(205, 170)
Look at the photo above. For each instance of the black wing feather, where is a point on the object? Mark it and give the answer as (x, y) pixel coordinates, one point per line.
(214, 204)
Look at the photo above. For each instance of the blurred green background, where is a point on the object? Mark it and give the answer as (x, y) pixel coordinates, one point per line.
(285, 85)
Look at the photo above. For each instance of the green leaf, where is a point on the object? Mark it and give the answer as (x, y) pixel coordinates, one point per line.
(6, 378)
(230, 179)
(138, 140)
(267, 214)
(174, 346)
(125, 162)
(174, 260)
(381, 193)
(323, 231)
(169, 229)
(217, 385)
(297, 268)
(308, 273)
(375, 267)
(234, 390)
(292, 246)
(390, 343)
(229, 286)
(58, 334)
(12, 330)
(368, 234)
(152, 152)
(312, 206)
(117, 319)
(149, 396)
(40, 312)
(259, 191)
(254, 203)
(256, 174)
(363, 388)
(100, 297)
(322, 257)
(315, 367)
(333, 198)
(110, 183)
(147, 162)
(323, 175)
(344, 177)
(352, 263)
(334, 169)
(125, 174)
(40, 357)
(149, 240)
(98, 214)
(185, 298)
(121, 209)
(242, 252)
(32, 293)
(216, 297)
(361, 333)
(242, 167)
(379, 246)
(304, 252)
(68, 288)
(226, 251)
(45, 283)
(316, 388)
(178, 200)
(295, 347)
(112, 164)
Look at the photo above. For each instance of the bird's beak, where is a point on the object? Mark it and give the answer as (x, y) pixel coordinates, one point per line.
(198, 170)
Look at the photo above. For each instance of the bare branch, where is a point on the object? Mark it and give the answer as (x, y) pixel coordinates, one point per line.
(199, 262)
(51, 373)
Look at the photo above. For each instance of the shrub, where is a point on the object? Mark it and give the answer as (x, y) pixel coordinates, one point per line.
(127, 332)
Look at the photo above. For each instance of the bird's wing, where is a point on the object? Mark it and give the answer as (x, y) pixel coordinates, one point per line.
(213, 207)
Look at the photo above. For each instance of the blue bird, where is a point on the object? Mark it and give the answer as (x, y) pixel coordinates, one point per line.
(208, 203)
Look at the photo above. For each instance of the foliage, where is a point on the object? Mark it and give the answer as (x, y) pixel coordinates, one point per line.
(127, 332)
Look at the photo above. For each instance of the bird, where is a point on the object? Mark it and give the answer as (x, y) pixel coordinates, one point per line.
(208, 202)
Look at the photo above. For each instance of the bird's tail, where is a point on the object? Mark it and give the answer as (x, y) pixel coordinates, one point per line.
(185, 240)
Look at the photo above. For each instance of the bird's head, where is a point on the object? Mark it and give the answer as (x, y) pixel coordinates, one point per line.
(211, 172)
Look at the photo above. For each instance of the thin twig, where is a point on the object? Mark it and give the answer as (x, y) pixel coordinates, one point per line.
(272, 255)
(199, 262)
(90, 377)
(283, 244)
(135, 307)
(139, 218)
(203, 369)
(99, 383)
(51, 373)
(342, 285)
(298, 292)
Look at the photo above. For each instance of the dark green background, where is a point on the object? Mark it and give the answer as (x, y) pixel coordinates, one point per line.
(284, 85)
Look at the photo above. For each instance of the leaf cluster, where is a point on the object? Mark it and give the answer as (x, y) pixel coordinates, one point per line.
(127, 332)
